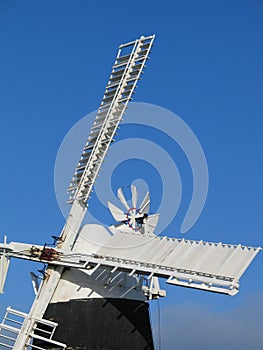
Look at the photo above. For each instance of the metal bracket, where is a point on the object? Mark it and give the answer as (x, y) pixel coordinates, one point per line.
(154, 291)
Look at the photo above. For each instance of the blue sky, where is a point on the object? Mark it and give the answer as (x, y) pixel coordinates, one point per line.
(206, 66)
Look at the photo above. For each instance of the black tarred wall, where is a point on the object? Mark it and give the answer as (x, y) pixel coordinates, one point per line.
(101, 324)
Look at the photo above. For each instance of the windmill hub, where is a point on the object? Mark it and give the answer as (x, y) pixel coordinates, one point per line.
(135, 218)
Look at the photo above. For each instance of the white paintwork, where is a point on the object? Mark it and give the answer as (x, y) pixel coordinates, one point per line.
(117, 213)
(91, 238)
(145, 205)
(4, 264)
(99, 282)
(154, 291)
(102, 283)
(107, 262)
(134, 196)
(35, 282)
(182, 254)
(122, 198)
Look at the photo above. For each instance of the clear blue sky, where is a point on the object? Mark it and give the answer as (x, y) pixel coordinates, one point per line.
(206, 66)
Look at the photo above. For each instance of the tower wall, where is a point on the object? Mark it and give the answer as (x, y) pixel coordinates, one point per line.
(101, 324)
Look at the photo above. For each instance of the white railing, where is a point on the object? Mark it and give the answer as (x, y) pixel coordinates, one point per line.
(41, 337)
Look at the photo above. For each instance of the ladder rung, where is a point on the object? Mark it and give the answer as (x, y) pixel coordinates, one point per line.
(107, 99)
(102, 110)
(123, 58)
(92, 139)
(9, 328)
(135, 72)
(6, 346)
(81, 167)
(87, 183)
(71, 191)
(51, 341)
(115, 118)
(15, 312)
(94, 133)
(84, 158)
(127, 93)
(147, 40)
(120, 64)
(129, 87)
(47, 322)
(111, 92)
(116, 78)
(119, 108)
(131, 80)
(97, 126)
(86, 152)
(101, 118)
(82, 164)
(96, 161)
(124, 100)
(144, 46)
(79, 175)
(32, 346)
(138, 65)
(42, 330)
(143, 53)
(117, 73)
(112, 127)
(105, 105)
(89, 146)
(6, 337)
(112, 85)
(14, 321)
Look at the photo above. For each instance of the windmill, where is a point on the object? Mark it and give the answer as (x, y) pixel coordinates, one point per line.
(97, 280)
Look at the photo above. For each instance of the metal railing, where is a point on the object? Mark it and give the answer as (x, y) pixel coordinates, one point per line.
(41, 338)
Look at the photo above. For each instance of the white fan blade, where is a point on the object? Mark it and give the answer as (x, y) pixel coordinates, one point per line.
(117, 213)
(134, 196)
(152, 222)
(145, 206)
(122, 198)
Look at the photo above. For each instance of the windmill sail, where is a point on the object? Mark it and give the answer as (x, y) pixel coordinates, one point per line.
(203, 265)
(215, 267)
(123, 80)
(125, 74)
